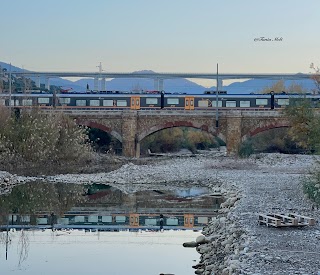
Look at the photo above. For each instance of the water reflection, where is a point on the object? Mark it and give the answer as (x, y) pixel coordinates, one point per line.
(92, 209)
(100, 253)
(104, 207)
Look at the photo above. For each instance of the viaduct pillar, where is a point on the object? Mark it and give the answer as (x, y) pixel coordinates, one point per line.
(95, 84)
(234, 132)
(103, 84)
(47, 83)
(129, 133)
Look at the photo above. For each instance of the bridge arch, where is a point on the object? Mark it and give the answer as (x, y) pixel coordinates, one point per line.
(93, 124)
(265, 128)
(173, 124)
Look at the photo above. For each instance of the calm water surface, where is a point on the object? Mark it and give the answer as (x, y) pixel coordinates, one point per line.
(79, 252)
(97, 229)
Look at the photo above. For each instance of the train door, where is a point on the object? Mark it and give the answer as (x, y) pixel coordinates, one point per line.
(135, 103)
(134, 219)
(189, 103)
(188, 220)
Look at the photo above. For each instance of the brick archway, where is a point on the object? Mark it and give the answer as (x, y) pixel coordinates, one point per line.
(173, 124)
(102, 127)
(265, 128)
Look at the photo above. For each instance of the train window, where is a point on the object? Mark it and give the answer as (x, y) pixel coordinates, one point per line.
(231, 103)
(106, 218)
(42, 221)
(25, 218)
(26, 102)
(172, 101)
(132, 102)
(203, 103)
(245, 103)
(107, 102)
(150, 222)
(172, 221)
(203, 220)
(2, 102)
(64, 100)
(15, 102)
(93, 219)
(43, 100)
(64, 221)
(214, 103)
(191, 102)
(283, 101)
(121, 103)
(81, 102)
(261, 101)
(94, 102)
(79, 219)
(120, 218)
(151, 101)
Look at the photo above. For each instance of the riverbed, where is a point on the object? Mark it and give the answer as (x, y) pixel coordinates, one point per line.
(264, 183)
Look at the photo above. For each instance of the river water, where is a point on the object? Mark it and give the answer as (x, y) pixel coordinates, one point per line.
(97, 229)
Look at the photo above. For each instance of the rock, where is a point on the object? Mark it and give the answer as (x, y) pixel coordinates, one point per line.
(201, 239)
(199, 271)
(190, 244)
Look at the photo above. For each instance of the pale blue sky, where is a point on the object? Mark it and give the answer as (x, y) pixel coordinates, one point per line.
(164, 36)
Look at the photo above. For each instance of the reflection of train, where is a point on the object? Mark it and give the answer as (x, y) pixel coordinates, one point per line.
(113, 221)
(149, 101)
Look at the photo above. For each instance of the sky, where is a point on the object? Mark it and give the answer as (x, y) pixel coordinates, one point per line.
(163, 36)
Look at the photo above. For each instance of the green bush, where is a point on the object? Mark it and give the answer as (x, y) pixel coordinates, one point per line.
(41, 138)
(311, 186)
(246, 149)
(174, 139)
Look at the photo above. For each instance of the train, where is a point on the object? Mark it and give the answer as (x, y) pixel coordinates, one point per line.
(110, 220)
(152, 101)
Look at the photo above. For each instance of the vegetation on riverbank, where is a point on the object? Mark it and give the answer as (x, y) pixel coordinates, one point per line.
(305, 130)
(31, 137)
(175, 139)
(271, 141)
(311, 186)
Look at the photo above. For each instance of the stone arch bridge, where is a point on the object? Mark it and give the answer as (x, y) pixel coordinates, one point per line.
(131, 127)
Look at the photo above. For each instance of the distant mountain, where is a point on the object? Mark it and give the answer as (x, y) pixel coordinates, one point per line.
(176, 85)
(53, 81)
(256, 85)
(128, 84)
(7, 67)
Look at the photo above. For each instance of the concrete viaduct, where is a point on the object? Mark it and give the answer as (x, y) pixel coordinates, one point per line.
(130, 127)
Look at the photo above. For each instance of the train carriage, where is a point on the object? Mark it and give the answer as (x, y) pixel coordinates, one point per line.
(121, 101)
(27, 100)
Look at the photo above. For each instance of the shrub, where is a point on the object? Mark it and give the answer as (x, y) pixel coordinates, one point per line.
(311, 186)
(40, 138)
(246, 149)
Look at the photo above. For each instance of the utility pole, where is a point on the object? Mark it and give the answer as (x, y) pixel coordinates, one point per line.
(217, 99)
(10, 87)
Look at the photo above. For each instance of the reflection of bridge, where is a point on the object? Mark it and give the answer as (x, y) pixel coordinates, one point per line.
(131, 127)
(110, 209)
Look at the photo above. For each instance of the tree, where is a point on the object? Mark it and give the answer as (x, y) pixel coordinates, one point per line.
(305, 124)
(316, 77)
(280, 87)
(42, 138)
